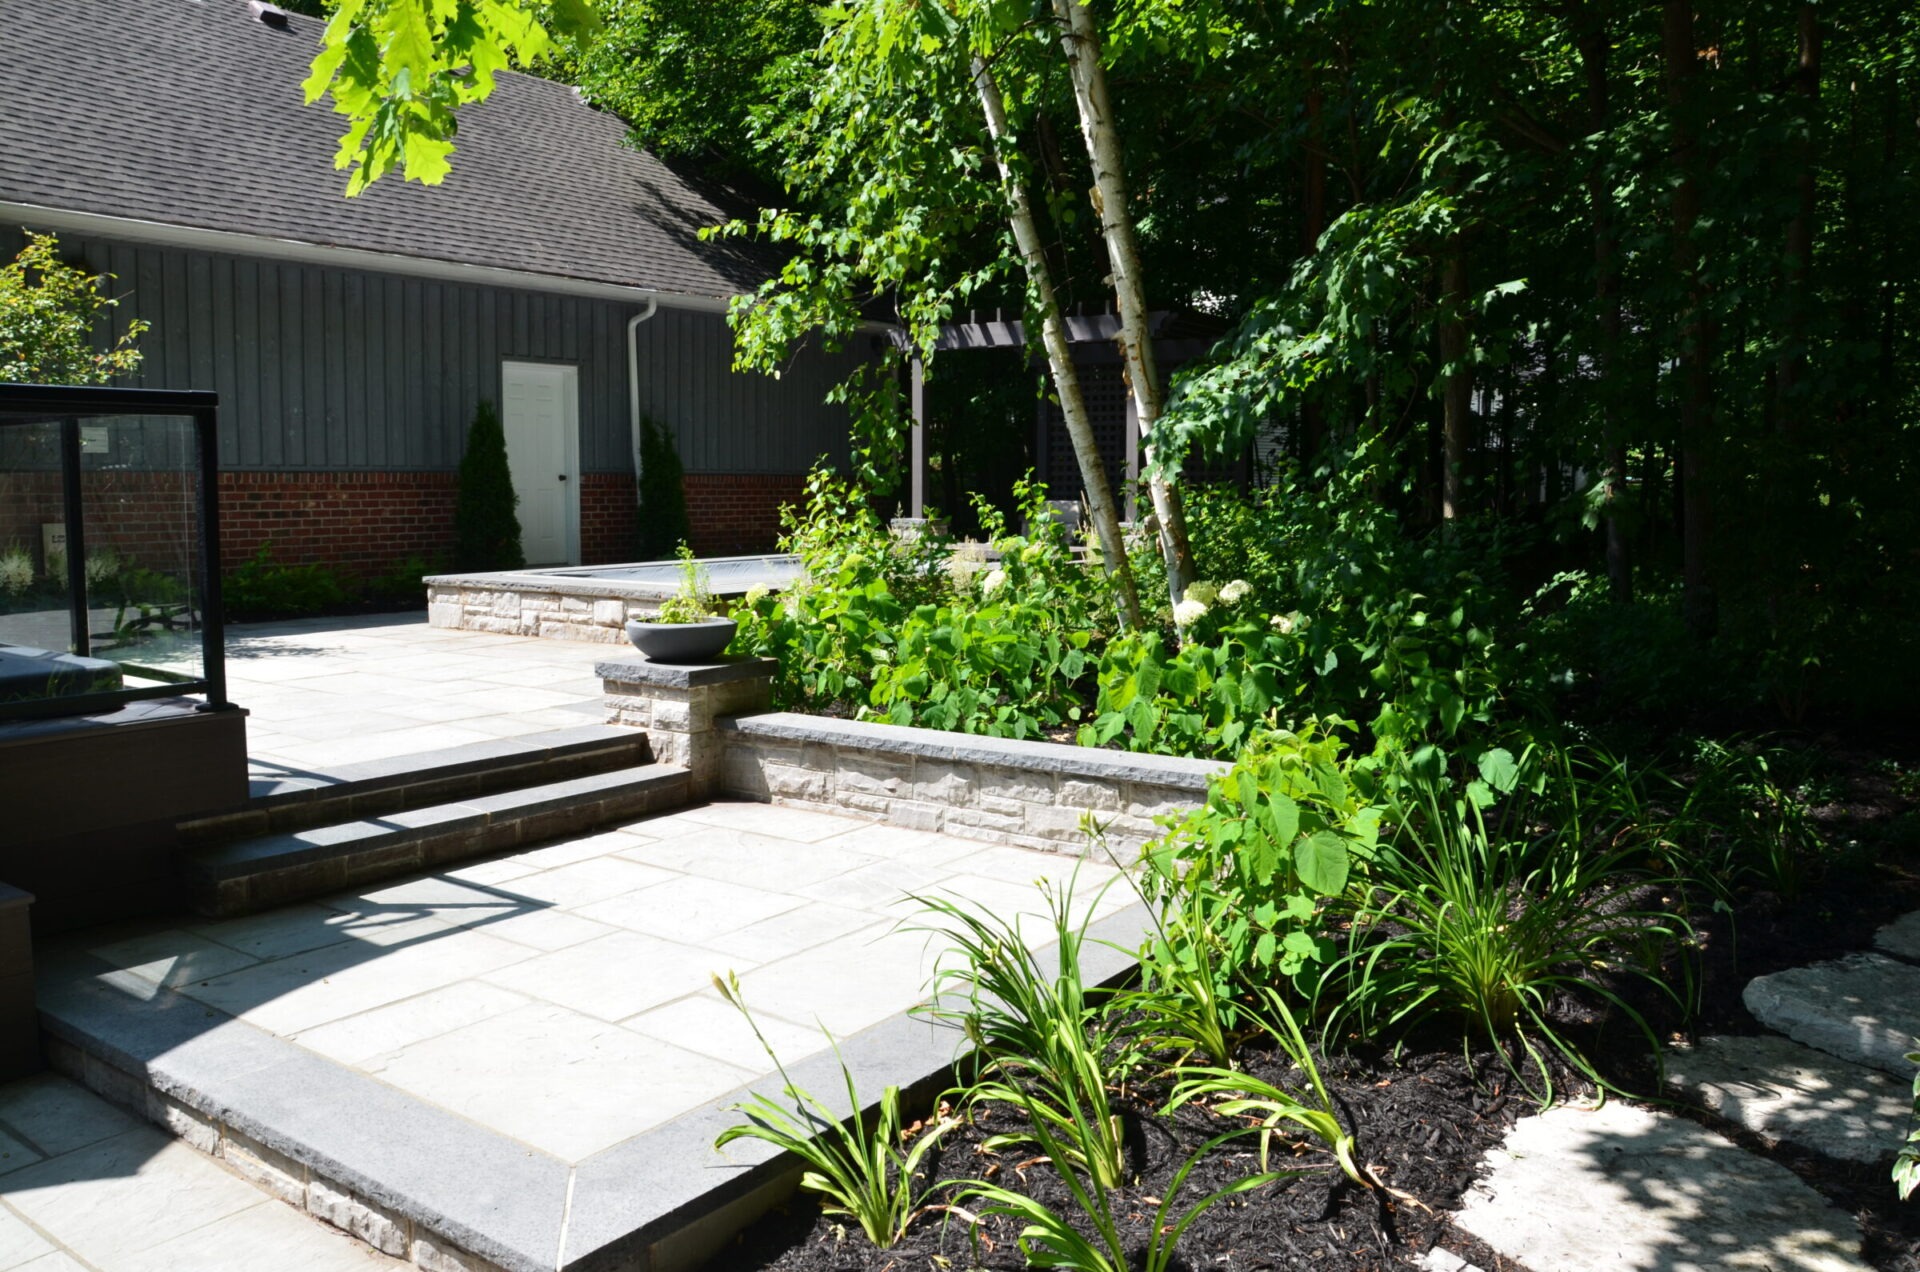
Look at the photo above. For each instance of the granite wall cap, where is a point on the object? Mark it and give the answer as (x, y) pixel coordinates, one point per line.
(727, 670)
(1179, 772)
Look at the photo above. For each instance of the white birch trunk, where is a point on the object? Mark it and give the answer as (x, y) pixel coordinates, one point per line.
(1081, 45)
(1053, 337)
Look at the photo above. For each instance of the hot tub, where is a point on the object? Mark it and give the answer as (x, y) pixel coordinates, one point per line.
(586, 602)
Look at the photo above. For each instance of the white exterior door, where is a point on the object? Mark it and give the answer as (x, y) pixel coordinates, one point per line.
(541, 417)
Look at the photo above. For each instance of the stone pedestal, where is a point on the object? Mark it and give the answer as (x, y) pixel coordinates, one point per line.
(677, 705)
(19, 1022)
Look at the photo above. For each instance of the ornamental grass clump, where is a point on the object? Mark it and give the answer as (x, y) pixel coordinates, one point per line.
(1042, 1039)
(693, 602)
(866, 1169)
(1051, 1239)
(1486, 921)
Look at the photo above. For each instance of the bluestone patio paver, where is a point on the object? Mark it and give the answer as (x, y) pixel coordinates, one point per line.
(139, 1201)
(558, 1003)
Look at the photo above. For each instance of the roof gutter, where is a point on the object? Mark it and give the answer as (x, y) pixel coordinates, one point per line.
(163, 234)
(633, 388)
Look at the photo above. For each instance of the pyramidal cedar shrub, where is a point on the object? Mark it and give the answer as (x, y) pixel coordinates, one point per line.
(662, 525)
(486, 531)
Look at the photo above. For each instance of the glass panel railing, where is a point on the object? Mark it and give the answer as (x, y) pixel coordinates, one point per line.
(139, 498)
(106, 579)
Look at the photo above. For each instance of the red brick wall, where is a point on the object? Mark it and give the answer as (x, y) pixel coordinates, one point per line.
(365, 522)
(606, 518)
(360, 522)
(735, 514)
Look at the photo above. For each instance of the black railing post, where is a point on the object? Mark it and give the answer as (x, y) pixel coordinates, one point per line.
(80, 618)
(213, 632)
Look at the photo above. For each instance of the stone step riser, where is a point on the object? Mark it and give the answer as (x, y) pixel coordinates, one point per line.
(274, 1173)
(221, 888)
(413, 789)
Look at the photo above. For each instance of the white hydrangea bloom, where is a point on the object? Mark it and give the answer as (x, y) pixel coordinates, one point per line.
(1202, 591)
(1283, 623)
(1235, 592)
(995, 580)
(1189, 611)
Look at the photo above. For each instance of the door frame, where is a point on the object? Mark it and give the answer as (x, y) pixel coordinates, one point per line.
(570, 441)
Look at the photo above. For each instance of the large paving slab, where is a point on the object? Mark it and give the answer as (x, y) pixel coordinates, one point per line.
(107, 1194)
(1781, 1090)
(327, 694)
(526, 1055)
(1624, 1189)
(1864, 1008)
(1901, 937)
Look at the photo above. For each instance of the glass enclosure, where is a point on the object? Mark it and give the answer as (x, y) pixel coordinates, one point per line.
(109, 562)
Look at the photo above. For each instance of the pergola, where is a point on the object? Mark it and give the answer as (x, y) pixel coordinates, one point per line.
(1179, 336)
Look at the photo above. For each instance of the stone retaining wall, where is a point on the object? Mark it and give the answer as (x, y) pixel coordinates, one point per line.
(581, 613)
(1033, 794)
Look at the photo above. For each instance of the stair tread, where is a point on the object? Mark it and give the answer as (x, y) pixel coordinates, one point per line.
(1864, 1008)
(1785, 1090)
(244, 856)
(472, 759)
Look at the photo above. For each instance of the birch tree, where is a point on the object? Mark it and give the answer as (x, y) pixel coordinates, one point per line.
(1081, 45)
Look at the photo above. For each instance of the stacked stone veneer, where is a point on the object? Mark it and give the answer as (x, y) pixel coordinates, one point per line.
(584, 612)
(267, 1168)
(1032, 794)
(682, 708)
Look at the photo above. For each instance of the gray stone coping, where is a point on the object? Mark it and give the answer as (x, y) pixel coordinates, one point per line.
(1177, 772)
(12, 897)
(659, 675)
(523, 1208)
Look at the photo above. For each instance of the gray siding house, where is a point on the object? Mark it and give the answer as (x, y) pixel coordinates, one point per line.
(558, 272)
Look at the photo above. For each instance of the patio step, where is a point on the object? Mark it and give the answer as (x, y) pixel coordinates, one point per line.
(255, 873)
(297, 800)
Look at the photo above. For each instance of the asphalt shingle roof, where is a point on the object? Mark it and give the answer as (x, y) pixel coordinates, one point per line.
(189, 112)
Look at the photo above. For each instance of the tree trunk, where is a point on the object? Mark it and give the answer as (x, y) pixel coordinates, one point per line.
(1591, 37)
(1457, 393)
(1081, 46)
(1696, 327)
(1053, 337)
(1789, 409)
(1313, 415)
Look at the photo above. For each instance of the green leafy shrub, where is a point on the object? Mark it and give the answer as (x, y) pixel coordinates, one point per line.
(1746, 816)
(1243, 883)
(1906, 1164)
(264, 588)
(485, 530)
(400, 583)
(896, 628)
(16, 570)
(662, 525)
(1486, 921)
(48, 313)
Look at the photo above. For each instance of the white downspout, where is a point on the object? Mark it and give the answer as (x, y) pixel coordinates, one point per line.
(633, 384)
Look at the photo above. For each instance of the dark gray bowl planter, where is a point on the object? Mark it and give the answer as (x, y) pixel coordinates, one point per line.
(682, 642)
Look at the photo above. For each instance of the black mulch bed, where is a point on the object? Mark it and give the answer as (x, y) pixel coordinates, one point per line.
(1424, 1118)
